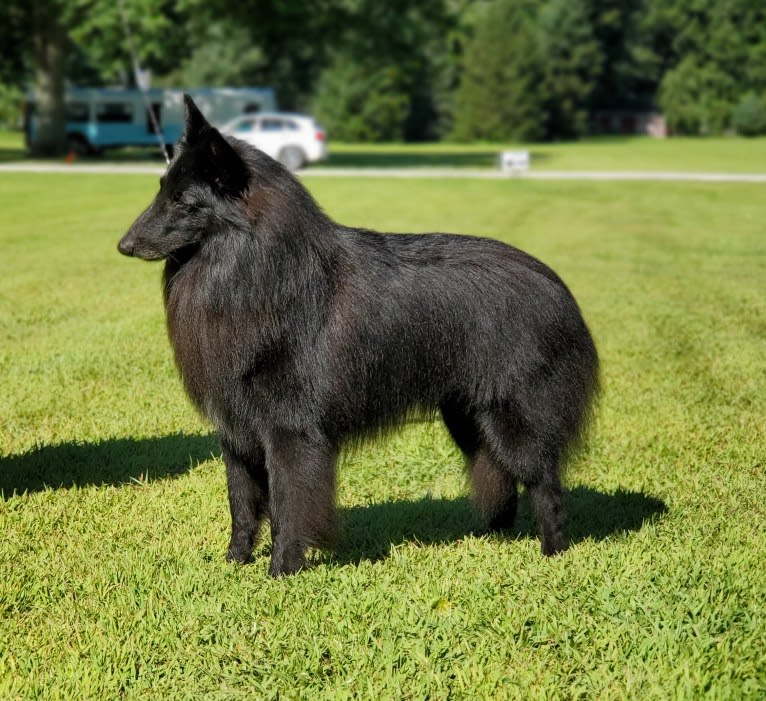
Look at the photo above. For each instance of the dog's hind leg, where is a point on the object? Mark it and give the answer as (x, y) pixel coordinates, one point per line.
(547, 498)
(494, 488)
(495, 492)
(248, 489)
(302, 499)
(527, 458)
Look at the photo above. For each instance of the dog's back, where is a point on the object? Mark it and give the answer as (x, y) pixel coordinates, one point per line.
(417, 319)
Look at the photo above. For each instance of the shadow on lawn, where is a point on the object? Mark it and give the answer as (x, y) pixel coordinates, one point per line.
(371, 531)
(116, 461)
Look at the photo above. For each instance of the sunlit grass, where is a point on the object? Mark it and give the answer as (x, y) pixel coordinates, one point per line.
(114, 515)
(719, 155)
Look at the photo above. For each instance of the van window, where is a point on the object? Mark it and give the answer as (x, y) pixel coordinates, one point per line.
(77, 112)
(114, 112)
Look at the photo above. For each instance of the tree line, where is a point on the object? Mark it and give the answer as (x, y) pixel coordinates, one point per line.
(398, 70)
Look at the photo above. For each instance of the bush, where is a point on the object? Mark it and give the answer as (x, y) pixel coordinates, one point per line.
(696, 98)
(361, 102)
(11, 99)
(748, 116)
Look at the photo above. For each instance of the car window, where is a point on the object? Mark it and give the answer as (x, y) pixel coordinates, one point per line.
(245, 125)
(272, 125)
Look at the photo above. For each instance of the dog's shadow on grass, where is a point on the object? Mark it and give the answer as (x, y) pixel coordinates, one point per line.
(369, 532)
(113, 461)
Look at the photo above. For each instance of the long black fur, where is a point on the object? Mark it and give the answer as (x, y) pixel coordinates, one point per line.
(294, 334)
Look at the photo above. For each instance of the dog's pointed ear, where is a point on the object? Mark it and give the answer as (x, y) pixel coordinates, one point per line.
(194, 121)
(228, 172)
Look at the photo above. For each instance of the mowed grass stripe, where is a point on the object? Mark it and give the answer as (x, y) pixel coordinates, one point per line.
(114, 511)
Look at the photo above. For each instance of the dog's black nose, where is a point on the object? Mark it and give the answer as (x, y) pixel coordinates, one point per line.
(125, 246)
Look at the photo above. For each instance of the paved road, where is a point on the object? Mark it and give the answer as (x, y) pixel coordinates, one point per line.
(127, 168)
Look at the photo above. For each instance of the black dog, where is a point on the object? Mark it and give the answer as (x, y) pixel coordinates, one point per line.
(294, 334)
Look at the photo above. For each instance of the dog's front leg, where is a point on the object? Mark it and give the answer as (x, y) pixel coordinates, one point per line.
(302, 498)
(248, 488)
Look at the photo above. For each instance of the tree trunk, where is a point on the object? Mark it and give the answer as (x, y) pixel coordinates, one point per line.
(50, 49)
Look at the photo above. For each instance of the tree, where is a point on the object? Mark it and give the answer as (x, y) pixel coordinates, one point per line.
(398, 54)
(292, 38)
(571, 62)
(224, 55)
(499, 96)
(49, 51)
(626, 79)
(717, 56)
(361, 101)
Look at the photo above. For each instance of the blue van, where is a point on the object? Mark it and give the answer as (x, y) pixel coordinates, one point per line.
(101, 118)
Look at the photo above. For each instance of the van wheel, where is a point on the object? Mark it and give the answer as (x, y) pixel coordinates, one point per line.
(291, 157)
(78, 145)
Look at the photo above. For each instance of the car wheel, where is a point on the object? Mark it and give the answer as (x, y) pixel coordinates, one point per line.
(291, 157)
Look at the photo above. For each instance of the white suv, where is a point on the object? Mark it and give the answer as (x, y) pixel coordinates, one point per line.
(292, 139)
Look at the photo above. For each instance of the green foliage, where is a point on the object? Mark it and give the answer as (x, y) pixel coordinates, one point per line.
(361, 101)
(694, 98)
(749, 116)
(224, 55)
(15, 58)
(552, 61)
(625, 79)
(400, 55)
(11, 99)
(718, 54)
(572, 63)
(495, 69)
(114, 583)
(499, 96)
(155, 26)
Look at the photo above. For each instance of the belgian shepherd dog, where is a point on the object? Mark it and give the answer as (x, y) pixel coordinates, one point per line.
(295, 335)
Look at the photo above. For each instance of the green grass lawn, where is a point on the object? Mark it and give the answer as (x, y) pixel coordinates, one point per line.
(115, 521)
(720, 155)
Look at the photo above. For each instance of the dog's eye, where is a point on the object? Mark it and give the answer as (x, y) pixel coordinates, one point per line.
(185, 204)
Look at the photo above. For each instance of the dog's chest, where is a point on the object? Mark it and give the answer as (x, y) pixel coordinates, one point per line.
(205, 341)
(228, 360)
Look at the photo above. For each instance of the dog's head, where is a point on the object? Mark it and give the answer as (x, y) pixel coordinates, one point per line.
(204, 174)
